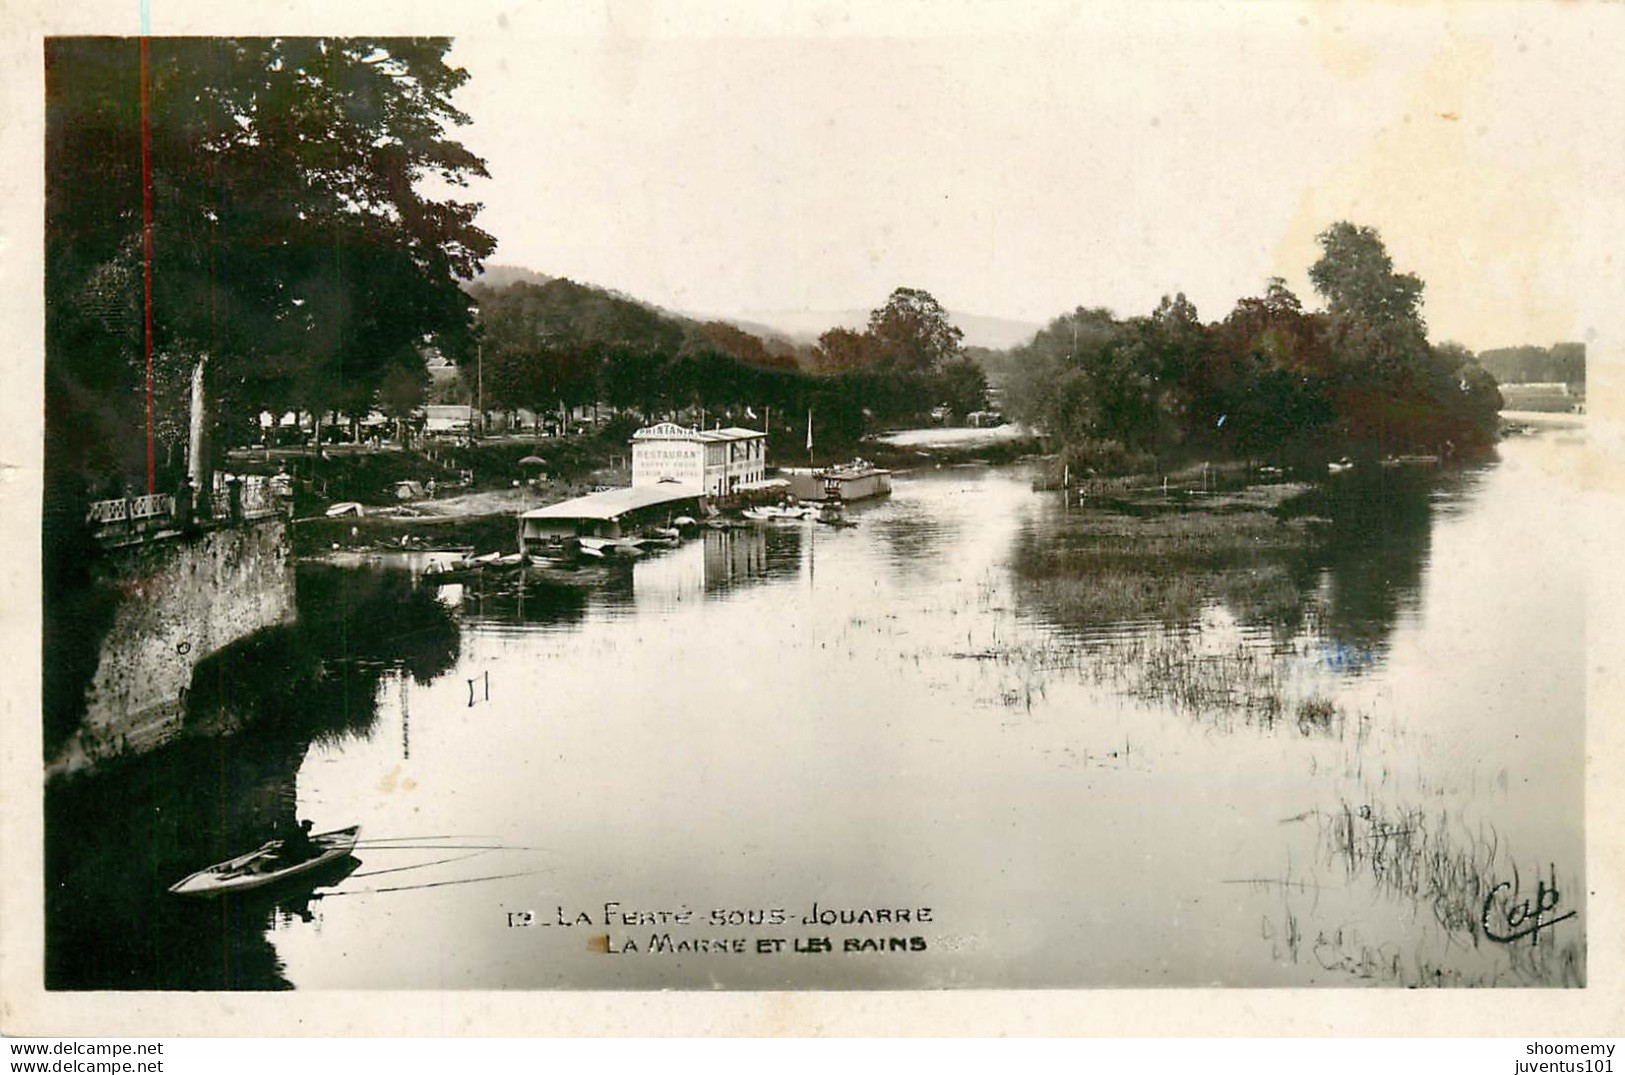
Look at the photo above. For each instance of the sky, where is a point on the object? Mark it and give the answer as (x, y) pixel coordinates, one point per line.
(1072, 155)
(1017, 161)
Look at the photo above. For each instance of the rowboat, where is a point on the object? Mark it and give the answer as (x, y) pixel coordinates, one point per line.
(779, 511)
(446, 574)
(600, 547)
(263, 867)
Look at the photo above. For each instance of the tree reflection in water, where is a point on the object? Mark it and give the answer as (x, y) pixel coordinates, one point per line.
(1344, 559)
(117, 839)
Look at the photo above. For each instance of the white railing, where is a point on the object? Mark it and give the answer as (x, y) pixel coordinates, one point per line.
(257, 497)
(133, 509)
(108, 511)
(152, 506)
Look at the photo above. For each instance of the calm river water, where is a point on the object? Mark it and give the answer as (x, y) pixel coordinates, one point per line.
(1315, 767)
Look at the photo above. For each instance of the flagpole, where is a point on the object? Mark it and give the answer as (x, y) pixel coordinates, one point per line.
(809, 437)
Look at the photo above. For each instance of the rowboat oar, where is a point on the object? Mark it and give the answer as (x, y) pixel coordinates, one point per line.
(436, 836)
(418, 865)
(431, 884)
(451, 847)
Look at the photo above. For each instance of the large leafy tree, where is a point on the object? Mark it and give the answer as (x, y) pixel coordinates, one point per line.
(1076, 379)
(913, 334)
(294, 245)
(1376, 313)
(1392, 390)
(909, 357)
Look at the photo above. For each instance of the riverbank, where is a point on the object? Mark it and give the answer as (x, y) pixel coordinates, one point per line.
(906, 448)
(320, 537)
(1545, 419)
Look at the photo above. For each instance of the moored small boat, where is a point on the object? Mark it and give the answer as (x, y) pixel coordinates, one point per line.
(449, 573)
(780, 511)
(265, 866)
(601, 547)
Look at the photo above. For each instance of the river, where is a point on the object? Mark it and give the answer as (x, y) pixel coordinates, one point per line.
(1347, 756)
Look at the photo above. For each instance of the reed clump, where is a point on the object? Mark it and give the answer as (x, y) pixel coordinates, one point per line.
(1451, 872)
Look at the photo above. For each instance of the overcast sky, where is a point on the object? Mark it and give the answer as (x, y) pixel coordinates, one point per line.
(1021, 167)
(732, 158)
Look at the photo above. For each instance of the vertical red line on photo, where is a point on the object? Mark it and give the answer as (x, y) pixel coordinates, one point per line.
(146, 244)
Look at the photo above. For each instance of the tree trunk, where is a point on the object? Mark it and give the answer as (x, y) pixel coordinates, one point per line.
(199, 452)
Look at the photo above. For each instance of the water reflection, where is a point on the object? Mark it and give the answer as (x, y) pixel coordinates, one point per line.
(720, 563)
(110, 923)
(1370, 559)
(371, 620)
(914, 533)
(118, 839)
(537, 600)
(1347, 564)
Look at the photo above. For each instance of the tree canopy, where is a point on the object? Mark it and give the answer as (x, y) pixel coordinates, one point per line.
(293, 243)
(910, 358)
(1270, 379)
(566, 342)
(1375, 313)
(912, 333)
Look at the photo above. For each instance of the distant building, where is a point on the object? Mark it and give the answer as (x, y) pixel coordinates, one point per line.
(442, 419)
(709, 462)
(436, 362)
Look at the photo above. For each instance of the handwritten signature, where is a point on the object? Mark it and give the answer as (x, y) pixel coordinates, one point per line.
(1519, 919)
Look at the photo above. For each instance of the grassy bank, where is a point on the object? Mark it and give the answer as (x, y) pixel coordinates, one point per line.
(1138, 553)
(370, 475)
(483, 533)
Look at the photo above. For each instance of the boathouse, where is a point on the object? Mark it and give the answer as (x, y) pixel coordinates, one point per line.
(557, 529)
(709, 462)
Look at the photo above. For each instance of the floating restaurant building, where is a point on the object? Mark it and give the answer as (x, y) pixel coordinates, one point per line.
(710, 462)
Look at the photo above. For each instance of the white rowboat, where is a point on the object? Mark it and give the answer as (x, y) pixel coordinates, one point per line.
(263, 867)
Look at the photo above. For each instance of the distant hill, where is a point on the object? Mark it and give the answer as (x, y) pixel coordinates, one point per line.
(785, 331)
(587, 312)
(805, 326)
